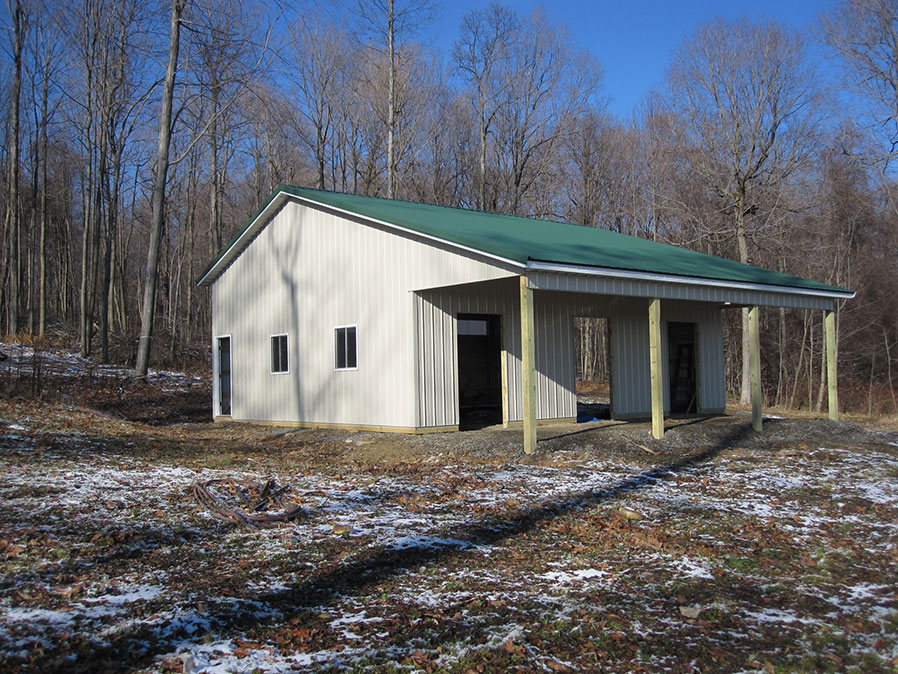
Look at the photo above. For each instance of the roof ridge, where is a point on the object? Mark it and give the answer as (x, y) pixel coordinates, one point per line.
(463, 209)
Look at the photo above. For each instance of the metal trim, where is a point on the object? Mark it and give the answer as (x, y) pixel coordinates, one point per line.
(683, 280)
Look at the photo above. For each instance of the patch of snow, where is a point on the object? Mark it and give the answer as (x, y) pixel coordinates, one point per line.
(38, 615)
(430, 543)
(692, 568)
(570, 577)
(136, 593)
(868, 592)
(776, 615)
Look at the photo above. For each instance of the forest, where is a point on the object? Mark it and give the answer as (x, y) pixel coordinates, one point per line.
(140, 135)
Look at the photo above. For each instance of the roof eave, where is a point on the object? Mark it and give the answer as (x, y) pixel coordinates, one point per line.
(686, 280)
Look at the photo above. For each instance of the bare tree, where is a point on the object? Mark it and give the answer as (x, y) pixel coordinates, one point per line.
(655, 127)
(547, 85)
(158, 194)
(13, 259)
(389, 22)
(47, 62)
(592, 170)
(322, 68)
(479, 52)
(226, 55)
(747, 97)
(864, 33)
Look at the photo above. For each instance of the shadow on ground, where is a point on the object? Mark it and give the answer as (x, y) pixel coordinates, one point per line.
(129, 648)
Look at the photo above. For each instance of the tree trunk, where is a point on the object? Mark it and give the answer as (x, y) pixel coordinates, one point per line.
(216, 239)
(481, 189)
(742, 242)
(158, 194)
(391, 105)
(42, 283)
(13, 214)
(84, 313)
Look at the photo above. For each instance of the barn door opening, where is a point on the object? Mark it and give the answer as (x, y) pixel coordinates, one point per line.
(479, 370)
(224, 376)
(681, 367)
(592, 348)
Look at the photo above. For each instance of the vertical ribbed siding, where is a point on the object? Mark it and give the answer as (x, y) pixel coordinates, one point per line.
(673, 291)
(555, 311)
(555, 366)
(709, 350)
(712, 377)
(305, 274)
(555, 350)
(555, 362)
(437, 355)
(630, 370)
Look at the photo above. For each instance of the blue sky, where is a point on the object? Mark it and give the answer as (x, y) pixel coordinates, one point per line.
(633, 40)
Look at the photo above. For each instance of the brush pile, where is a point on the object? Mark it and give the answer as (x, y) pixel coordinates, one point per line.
(249, 503)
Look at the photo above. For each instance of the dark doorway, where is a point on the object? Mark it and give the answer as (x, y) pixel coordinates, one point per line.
(592, 349)
(681, 367)
(224, 376)
(479, 371)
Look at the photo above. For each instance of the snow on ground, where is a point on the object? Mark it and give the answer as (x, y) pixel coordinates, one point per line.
(24, 360)
(107, 553)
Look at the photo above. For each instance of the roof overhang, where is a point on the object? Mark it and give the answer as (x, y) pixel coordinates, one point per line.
(685, 280)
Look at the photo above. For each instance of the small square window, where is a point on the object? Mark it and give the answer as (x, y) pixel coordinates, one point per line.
(278, 354)
(475, 327)
(346, 358)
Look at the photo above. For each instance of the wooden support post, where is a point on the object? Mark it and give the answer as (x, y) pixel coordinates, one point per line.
(754, 356)
(528, 367)
(656, 366)
(829, 323)
(504, 374)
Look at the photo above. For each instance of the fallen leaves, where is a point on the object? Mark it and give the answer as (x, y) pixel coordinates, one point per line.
(492, 558)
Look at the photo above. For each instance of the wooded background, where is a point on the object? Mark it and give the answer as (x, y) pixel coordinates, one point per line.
(753, 150)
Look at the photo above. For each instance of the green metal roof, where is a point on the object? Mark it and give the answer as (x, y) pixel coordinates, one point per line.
(524, 240)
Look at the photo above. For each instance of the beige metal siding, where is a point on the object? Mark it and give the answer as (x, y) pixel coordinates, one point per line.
(437, 310)
(555, 358)
(630, 374)
(554, 351)
(308, 272)
(709, 351)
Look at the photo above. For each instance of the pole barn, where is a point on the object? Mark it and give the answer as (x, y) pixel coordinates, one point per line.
(336, 310)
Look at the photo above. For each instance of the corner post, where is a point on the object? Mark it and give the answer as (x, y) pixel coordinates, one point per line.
(656, 366)
(829, 323)
(754, 355)
(528, 367)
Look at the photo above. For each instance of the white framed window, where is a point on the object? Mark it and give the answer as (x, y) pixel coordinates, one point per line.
(279, 363)
(346, 348)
